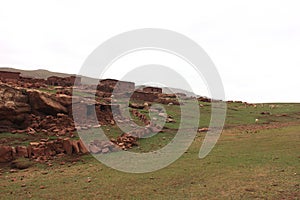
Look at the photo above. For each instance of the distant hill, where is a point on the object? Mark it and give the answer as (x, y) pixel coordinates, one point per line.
(42, 73)
(173, 90)
(177, 90)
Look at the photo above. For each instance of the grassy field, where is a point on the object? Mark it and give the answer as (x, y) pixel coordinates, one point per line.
(251, 160)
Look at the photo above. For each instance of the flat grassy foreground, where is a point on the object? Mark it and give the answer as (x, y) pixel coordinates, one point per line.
(260, 164)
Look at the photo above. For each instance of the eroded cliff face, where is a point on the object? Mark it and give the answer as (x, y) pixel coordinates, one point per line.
(22, 109)
(43, 103)
(14, 108)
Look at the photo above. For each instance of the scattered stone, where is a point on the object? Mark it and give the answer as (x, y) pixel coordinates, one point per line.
(44, 140)
(140, 116)
(170, 120)
(136, 106)
(165, 115)
(105, 150)
(13, 179)
(200, 130)
(250, 190)
(94, 149)
(13, 171)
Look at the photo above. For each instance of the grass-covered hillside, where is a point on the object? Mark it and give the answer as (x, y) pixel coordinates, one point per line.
(253, 159)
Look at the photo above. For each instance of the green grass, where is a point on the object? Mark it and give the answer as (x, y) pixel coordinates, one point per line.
(264, 165)
(238, 114)
(19, 139)
(83, 94)
(248, 162)
(51, 91)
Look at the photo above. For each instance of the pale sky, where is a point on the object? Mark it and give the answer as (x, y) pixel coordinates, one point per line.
(254, 44)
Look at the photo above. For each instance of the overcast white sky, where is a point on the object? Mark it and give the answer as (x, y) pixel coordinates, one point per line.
(254, 44)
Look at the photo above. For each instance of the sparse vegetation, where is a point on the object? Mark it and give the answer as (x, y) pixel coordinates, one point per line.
(21, 163)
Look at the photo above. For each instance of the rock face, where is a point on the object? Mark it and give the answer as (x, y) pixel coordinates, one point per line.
(43, 103)
(24, 109)
(14, 108)
(32, 110)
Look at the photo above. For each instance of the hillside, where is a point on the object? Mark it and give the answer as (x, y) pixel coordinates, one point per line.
(42, 73)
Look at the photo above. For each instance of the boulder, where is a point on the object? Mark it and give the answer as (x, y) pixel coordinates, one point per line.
(67, 146)
(45, 103)
(14, 108)
(82, 147)
(94, 149)
(136, 106)
(75, 146)
(22, 151)
(6, 154)
(38, 151)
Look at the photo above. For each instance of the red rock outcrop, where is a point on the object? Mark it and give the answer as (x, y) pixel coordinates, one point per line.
(45, 103)
(14, 108)
(42, 150)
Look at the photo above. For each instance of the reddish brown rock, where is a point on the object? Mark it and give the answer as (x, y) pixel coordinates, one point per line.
(22, 151)
(82, 147)
(43, 103)
(14, 152)
(5, 154)
(67, 146)
(49, 152)
(200, 130)
(38, 151)
(75, 146)
(14, 108)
